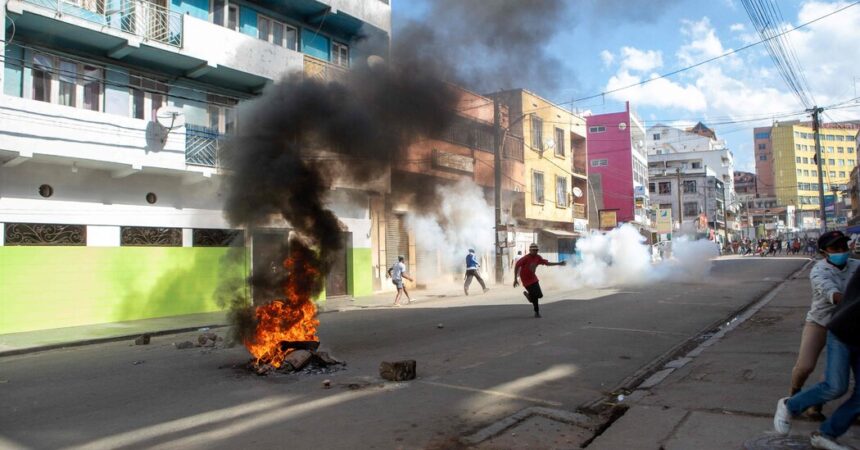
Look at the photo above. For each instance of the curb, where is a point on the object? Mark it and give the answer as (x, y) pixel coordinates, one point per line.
(81, 343)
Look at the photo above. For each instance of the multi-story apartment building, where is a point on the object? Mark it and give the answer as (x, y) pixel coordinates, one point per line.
(552, 210)
(695, 150)
(618, 170)
(695, 195)
(786, 167)
(110, 122)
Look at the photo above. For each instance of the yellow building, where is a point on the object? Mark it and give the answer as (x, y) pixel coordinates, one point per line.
(556, 186)
(795, 172)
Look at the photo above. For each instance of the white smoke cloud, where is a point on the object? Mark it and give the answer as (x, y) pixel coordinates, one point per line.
(464, 220)
(621, 257)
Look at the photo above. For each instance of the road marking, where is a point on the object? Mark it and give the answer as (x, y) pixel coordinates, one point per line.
(492, 392)
(633, 330)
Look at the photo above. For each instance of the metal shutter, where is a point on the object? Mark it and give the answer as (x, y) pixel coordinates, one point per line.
(396, 239)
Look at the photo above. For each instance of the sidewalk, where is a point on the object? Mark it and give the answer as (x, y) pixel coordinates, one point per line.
(722, 395)
(32, 341)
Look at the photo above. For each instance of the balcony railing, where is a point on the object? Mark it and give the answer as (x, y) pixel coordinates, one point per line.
(138, 17)
(202, 146)
(323, 70)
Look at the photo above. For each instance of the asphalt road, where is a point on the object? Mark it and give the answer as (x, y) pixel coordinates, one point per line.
(490, 359)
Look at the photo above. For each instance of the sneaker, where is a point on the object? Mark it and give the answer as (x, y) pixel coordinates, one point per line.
(396, 305)
(782, 418)
(819, 440)
(486, 290)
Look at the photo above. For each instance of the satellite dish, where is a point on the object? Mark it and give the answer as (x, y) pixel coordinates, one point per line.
(549, 144)
(577, 192)
(170, 117)
(622, 126)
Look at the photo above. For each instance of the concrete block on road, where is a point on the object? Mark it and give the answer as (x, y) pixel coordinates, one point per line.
(641, 427)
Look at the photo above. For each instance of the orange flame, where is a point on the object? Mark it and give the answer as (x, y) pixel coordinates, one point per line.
(290, 319)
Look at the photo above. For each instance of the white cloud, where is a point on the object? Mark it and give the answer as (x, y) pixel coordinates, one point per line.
(607, 57)
(737, 27)
(703, 44)
(641, 61)
(662, 93)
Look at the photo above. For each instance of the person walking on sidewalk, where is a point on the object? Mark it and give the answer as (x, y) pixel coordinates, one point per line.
(472, 271)
(397, 272)
(525, 269)
(829, 278)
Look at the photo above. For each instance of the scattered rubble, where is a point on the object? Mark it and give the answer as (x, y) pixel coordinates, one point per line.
(183, 345)
(137, 363)
(306, 361)
(143, 339)
(440, 326)
(398, 370)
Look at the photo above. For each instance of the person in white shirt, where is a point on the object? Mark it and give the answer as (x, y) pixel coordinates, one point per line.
(397, 272)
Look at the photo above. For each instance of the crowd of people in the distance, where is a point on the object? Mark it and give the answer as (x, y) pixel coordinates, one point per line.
(775, 246)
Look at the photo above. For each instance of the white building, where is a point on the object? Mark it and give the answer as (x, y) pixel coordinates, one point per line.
(109, 212)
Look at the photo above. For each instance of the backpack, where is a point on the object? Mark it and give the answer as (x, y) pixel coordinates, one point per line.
(845, 321)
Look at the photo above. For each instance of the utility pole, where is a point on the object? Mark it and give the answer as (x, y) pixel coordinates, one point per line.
(497, 184)
(725, 217)
(680, 206)
(816, 124)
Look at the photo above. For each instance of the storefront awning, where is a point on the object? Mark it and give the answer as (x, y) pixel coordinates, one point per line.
(559, 233)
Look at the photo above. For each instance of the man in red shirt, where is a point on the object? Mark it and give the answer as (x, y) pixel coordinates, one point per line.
(525, 269)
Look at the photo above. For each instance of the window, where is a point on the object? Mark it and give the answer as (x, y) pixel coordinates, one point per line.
(537, 133)
(690, 186)
(339, 54)
(814, 173)
(830, 137)
(842, 162)
(840, 149)
(842, 174)
(799, 172)
(561, 192)
(840, 137)
(833, 173)
(797, 159)
(559, 142)
(850, 149)
(656, 136)
(280, 34)
(697, 165)
(222, 113)
(665, 187)
(762, 146)
(43, 73)
(806, 173)
(221, 10)
(764, 135)
(691, 209)
(762, 158)
(652, 188)
(829, 149)
(597, 129)
(147, 95)
(851, 162)
(66, 82)
(599, 162)
(537, 187)
(797, 146)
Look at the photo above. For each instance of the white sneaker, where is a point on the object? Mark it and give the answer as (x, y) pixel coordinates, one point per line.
(819, 440)
(782, 418)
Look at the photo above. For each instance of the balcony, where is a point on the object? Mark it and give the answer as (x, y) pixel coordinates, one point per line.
(140, 18)
(580, 171)
(202, 146)
(34, 130)
(323, 70)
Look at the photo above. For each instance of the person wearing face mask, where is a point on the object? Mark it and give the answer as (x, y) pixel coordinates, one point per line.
(829, 277)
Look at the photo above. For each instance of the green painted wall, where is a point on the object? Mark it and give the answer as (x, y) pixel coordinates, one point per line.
(52, 287)
(359, 276)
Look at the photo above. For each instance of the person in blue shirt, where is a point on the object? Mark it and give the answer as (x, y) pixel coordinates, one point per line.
(472, 271)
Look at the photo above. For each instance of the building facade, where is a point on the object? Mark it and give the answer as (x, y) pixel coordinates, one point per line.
(618, 171)
(552, 209)
(111, 119)
(789, 171)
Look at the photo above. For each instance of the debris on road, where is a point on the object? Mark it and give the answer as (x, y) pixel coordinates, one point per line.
(183, 345)
(398, 370)
(440, 326)
(326, 384)
(143, 339)
(137, 363)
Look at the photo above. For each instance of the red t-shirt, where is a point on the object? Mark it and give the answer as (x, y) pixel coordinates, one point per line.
(527, 265)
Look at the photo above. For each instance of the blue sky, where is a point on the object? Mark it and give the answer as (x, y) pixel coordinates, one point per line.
(613, 43)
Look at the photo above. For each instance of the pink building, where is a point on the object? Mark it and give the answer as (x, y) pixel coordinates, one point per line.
(618, 168)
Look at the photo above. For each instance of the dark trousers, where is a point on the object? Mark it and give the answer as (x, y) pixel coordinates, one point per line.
(534, 294)
(473, 273)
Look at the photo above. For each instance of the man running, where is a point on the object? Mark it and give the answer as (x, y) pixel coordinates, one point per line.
(525, 268)
(472, 272)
